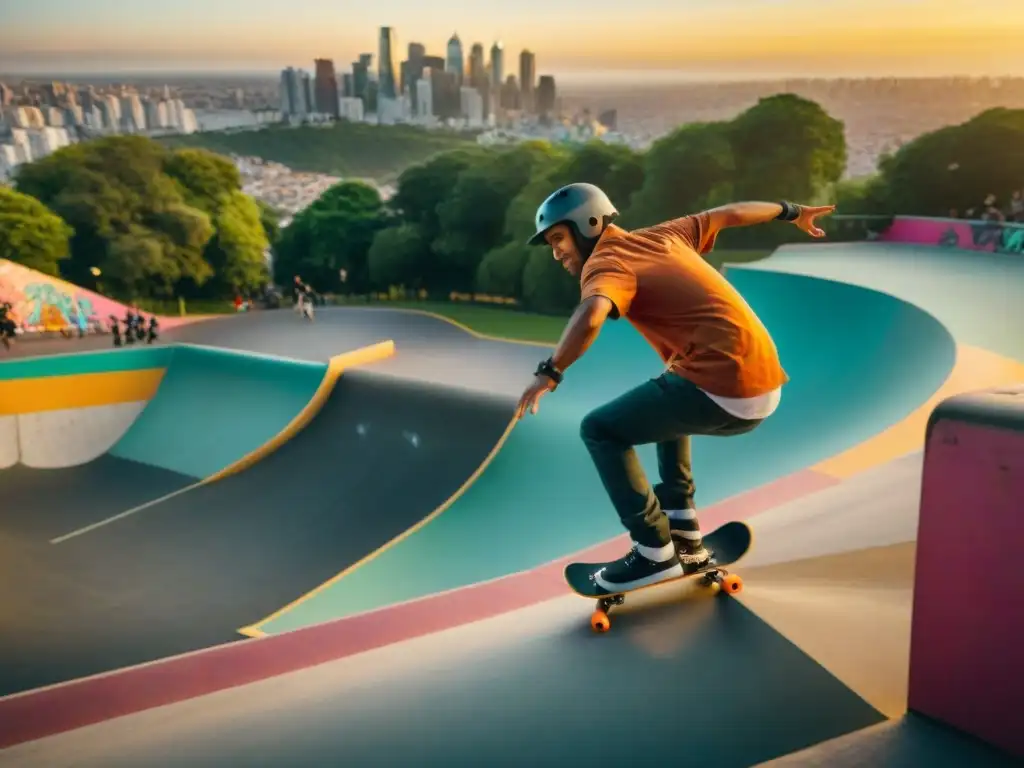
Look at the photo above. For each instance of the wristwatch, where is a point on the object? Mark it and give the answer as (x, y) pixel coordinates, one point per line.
(547, 368)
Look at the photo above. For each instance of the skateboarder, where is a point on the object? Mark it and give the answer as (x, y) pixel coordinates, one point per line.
(722, 371)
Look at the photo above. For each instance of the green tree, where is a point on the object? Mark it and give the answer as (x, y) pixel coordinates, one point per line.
(237, 252)
(270, 219)
(787, 147)
(547, 287)
(30, 234)
(123, 208)
(472, 219)
(400, 255)
(957, 166)
(501, 271)
(333, 234)
(688, 170)
(422, 188)
(867, 195)
(204, 177)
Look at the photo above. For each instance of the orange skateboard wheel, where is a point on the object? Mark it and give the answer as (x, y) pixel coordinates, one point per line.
(732, 583)
(599, 621)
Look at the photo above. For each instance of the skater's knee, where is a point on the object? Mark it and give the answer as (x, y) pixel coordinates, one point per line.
(596, 428)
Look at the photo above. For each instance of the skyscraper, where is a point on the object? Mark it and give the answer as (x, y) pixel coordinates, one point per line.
(454, 60)
(527, 78)
(361, 77)
(546, 95)
(326, 87)
(497, 66)
(386, 80)
(477, 66)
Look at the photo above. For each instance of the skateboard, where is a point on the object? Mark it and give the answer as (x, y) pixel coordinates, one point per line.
(727, 544)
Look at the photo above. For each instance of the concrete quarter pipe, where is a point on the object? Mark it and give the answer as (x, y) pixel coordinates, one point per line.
(191, 571)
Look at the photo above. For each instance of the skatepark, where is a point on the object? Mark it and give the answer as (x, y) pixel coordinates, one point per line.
(266, 542)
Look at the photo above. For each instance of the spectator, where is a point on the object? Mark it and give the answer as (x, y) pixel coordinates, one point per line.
(990, 210)
(1017, 207)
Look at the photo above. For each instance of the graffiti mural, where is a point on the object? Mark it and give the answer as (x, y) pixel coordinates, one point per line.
(991, 236)
(41, 303)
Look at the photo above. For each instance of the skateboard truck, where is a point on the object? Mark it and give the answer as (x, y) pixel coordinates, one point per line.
(714, 578)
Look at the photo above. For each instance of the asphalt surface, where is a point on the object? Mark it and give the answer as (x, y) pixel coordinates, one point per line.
(189, 572)
(428, 349)
(41, 504)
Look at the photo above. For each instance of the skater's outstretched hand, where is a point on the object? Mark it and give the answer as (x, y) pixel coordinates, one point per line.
(808, 213)
(530, 400)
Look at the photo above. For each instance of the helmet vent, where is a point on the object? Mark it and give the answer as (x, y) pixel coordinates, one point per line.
(593, 221)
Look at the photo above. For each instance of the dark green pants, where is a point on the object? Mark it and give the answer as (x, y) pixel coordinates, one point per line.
(665, 411)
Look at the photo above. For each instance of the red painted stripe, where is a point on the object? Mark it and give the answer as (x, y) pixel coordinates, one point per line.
(67, 706)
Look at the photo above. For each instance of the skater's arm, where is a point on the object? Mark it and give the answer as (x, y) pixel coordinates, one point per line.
(584, 326)
(743, 215)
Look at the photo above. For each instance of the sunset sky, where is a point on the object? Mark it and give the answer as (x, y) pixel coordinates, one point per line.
(668, 38)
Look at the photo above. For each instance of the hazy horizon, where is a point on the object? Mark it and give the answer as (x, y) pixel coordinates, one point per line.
(577, 41)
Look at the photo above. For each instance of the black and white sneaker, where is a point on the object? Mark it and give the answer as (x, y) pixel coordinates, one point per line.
(686, 535)
(641, 567)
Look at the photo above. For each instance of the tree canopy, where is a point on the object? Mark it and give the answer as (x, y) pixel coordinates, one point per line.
(149, 222)
(460, 220)
(30, 234)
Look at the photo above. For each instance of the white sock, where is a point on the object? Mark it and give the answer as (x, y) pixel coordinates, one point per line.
(681, 514)
(658, 554)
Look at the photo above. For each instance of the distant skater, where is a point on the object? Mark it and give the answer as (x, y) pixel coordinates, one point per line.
(722, 372)
(303, 299)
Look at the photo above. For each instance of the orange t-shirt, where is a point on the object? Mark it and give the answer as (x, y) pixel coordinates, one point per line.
(693, 317)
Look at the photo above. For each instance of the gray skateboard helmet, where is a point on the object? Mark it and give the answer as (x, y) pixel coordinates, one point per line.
(582, 205)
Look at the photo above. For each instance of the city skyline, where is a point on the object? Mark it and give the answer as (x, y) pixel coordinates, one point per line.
(732, 39)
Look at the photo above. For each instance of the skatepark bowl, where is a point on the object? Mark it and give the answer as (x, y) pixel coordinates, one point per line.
(269, 542)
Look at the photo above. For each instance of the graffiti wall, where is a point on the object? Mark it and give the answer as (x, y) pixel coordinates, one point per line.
(42, 303)
(957, 233)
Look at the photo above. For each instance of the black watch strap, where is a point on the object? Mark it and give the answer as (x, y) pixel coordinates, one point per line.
(790, 211)
(547, 368)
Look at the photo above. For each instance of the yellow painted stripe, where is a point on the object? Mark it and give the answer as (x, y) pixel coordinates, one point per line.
(335, 367)
(254, 630)
(82, 390)
(974, 369)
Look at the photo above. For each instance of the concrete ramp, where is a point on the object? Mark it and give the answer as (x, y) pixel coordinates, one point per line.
(180, 416)
(859, 361)
(191, 571)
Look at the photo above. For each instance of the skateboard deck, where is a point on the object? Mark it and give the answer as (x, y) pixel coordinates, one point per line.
(727, 544)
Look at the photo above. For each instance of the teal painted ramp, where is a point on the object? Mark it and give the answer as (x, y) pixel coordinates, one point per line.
(214, 406)
(105, 361)
(859, 361)
(951, 284)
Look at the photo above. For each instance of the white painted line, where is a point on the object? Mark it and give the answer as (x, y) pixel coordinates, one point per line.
(122, 515)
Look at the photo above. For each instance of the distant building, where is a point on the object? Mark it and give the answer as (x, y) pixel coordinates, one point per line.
(386, 76)
(425, 96)
(546, 95)
(454, 60)
(326, 87)
(497, 66)
(472, 106)
(527, 79)
(351, 108)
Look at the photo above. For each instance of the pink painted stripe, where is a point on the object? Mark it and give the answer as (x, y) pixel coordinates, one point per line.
(78, 703)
